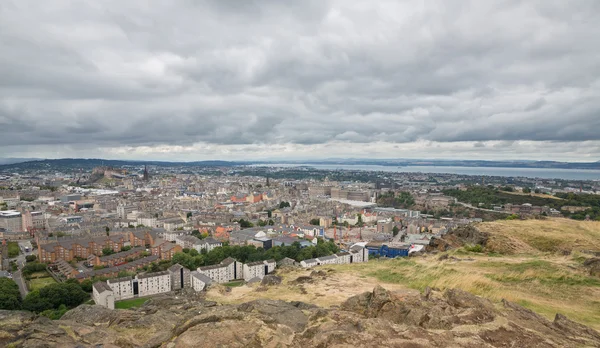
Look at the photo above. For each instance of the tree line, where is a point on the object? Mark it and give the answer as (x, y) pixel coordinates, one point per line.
(249, 253)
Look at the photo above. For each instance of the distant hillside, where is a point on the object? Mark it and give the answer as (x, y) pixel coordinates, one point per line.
(89, 163)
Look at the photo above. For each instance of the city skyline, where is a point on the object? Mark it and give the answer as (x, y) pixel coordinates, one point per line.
(187, 81)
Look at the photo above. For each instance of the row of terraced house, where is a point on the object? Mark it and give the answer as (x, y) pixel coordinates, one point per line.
(85, 248)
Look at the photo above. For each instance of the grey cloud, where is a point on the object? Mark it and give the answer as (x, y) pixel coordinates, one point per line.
(311, 72)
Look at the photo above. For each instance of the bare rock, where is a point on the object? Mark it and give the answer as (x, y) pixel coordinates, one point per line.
(270, 279)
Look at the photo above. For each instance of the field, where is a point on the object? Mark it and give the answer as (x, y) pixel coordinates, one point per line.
(234, 283)
(38, 283)
(13, 249)
(126, 304)
(532, 271)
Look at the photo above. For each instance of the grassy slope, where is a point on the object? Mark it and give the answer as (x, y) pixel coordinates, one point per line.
(545, 282)
(38, 283)
(126, 304)
(534, 236)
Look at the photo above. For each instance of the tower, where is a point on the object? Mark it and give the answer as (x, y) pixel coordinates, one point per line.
(146, 176)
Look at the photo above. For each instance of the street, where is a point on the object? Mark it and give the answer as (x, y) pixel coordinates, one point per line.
(18, 278)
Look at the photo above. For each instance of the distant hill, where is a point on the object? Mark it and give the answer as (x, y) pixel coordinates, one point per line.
(12, 160)
(89, 163)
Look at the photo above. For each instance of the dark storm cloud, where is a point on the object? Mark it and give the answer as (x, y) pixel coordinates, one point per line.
(116, 73)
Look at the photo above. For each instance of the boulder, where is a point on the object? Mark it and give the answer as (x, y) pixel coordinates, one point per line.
(270, 279)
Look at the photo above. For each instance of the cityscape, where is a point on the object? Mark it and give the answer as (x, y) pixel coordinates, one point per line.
(315, 173)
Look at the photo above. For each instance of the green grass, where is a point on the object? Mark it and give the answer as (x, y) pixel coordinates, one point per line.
(41, 274)
(38, 283)
(234, 284)
(126, 304)
(13, 249)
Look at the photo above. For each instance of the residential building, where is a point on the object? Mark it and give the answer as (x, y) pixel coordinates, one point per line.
(154, 283)
(103, 295)
(11, 220)
(199, 281)
(180, 277)
(122, 288)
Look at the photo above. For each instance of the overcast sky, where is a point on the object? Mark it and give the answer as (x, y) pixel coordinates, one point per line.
(271, 79)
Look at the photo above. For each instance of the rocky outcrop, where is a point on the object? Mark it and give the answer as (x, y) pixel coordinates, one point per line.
(378, 318)
(271, 279)
(457, 237)
(593, 266)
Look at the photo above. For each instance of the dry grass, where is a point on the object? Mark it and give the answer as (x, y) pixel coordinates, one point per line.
(550, 235)
(531, 275)
(540, 195)
(547, 284)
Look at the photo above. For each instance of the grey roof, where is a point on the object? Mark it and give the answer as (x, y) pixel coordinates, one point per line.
(210, 240)
(101, 287)
(121, 254)
(270, 261)
(127, 266)
(325, 258)
(256, 263)
(311, 261)
(150, 275)
(228, 261)
(121, 279)
(342, 254)
(176, 267)
(206, 268)
(202, 277)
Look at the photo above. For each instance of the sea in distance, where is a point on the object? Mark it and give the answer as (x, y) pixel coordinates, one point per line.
(543, 173)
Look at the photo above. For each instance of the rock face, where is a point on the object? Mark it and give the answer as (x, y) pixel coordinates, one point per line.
(593, 266)
(271, 279)
(458, 237)
(379, 318)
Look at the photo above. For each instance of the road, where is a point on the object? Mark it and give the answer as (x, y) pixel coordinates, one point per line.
(18, 278)
(476, 208)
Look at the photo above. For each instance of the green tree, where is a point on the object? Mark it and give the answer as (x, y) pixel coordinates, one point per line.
(526, 190)
(30, 258)
(283, 204)
(315, 222)
(107, 229)
(269, 214)
(395, 230)
(271, 222)
(107, 251)
(10, 298)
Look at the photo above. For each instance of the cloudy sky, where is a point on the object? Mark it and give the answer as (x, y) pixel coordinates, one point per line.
(271, 79)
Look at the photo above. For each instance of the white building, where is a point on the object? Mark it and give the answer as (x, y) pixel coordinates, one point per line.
(189, 242)
(154, 283)
(122, 288)
(103, 295)
(11, 220)
(357, 254)
(210, 243)
(123, 210)
(309, 263)
(258, 269)
(199, 281)
(171, 236)
(218, 273)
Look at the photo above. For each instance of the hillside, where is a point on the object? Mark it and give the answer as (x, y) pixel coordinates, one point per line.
(520, 287)
(534, 236)
(376, 318)
(536, 263)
